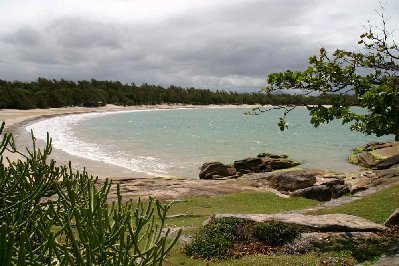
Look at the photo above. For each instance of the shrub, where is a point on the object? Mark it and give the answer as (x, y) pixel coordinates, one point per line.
(217, 239)
(50, 215)
(274, 233)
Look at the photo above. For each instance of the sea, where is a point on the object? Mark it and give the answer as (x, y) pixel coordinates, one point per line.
(176, 142)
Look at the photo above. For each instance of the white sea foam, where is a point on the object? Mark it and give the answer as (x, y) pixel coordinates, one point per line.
(64, 138)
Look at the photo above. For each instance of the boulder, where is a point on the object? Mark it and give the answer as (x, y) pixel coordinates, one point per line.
(333, 182)
(387, 163)
(232, 171)
(359, 185)
(277, 164)
(320, 193)
(272, 156)
(208, 170)
(324, 223)
(249, 165)
(339, 190)
(366, 159)
(291, 180)
(393, 219)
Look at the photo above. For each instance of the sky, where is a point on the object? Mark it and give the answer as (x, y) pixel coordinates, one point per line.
(214, 44)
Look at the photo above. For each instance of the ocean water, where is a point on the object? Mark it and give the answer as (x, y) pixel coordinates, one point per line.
(177, 142)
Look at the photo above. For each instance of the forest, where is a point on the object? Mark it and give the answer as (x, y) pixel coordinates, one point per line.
(46, 93)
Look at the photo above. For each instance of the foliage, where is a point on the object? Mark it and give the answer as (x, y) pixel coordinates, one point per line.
(274, 233)
(45, 93)
(370, 74)
(50, 215)
(218, 237)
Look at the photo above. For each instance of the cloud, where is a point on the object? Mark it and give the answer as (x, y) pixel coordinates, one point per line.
(212, 44)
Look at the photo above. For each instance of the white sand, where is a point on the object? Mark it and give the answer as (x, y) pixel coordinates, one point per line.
(16, 118)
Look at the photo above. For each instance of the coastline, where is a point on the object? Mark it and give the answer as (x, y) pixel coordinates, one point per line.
(16, 119)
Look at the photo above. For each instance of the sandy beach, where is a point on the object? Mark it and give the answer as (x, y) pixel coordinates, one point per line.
(15, 119)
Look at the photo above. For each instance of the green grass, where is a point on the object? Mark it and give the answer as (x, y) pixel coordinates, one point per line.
(376, 207)
(177, 258)
(200, 208)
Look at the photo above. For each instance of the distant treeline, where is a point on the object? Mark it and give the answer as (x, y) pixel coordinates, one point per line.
(45, 93)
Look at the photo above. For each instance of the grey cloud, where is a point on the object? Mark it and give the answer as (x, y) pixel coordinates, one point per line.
(230, 48)
(27, 36)
(76, 32)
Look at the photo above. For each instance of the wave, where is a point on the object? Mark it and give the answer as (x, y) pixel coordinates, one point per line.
(64, 138)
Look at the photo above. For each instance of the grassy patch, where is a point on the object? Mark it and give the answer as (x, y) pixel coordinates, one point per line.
(376, 207)
(246, 202)
(308, 259)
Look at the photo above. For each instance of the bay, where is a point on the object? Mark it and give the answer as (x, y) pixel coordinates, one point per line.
(176, 142)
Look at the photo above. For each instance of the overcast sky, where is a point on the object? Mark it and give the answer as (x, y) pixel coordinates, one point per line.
(215, 44)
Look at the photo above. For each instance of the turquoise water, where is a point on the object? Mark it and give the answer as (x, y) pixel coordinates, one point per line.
(177, 142)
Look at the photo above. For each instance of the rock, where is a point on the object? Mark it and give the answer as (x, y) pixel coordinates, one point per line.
(282, 164)
(308, 241)
(320, 193)
(333, 182)
(393, 219)
(359, 185)
(273, 156)
(387, 163)
(324, 223)
(249, 164)
(231, 171)
(366, 159)
(339, 191)
(389, 173)
(208, 170)
(378, 145)
(291, 180)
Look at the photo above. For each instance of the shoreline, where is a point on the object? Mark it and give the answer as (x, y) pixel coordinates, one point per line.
(16, 119)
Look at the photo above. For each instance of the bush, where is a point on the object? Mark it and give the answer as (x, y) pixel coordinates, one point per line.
(50, 215)
(274, 233)
(217, 239)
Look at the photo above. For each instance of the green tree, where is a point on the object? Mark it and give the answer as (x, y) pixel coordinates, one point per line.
(371, 74)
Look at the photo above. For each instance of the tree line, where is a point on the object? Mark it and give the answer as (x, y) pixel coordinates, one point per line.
(46, 93)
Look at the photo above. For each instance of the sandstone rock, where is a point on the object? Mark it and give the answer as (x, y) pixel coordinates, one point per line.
(393, 219)
(320, 193)
(208, 170)
(359, 185)
(325, 223)
(291, 180)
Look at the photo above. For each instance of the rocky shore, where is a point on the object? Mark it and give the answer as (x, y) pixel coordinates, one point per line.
(272, 173)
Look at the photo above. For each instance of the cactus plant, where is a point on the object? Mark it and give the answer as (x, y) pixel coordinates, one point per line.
(51, 215)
